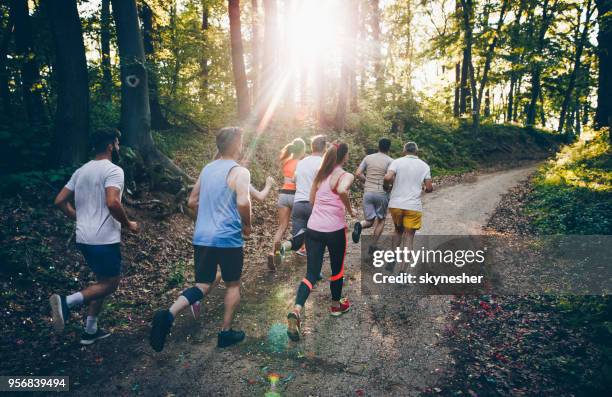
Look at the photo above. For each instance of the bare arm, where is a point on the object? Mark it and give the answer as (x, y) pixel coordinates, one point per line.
(343, 191)
(113, 202)
(261, 195)
(428, 186)
(359, 172)
(194, 198)
(240, 181)
(62, 201)
(388, 180)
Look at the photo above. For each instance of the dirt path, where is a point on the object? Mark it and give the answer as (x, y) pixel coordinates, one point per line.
(380, 347)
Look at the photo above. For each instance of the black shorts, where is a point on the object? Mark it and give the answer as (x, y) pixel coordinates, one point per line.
(207, 258)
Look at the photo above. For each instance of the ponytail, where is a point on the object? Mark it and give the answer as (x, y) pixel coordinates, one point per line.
(294, 149)
(332, 158)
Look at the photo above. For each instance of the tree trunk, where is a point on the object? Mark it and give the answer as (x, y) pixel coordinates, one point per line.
(255, 42)
(240, 80)
(31, 84)
(107, 77)
(5, 93)
(269, 64)
(577, 62)
(135, 121)
(511, 97)
(487, 109)
(71, 139)
(488, 58)
(158, 120)
(204, 68)
(603, 115)
(457, 89)
(376, 36)
(467, 7)
(536, 68)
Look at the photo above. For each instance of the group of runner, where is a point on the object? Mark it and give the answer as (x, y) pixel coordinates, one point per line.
(314, 195)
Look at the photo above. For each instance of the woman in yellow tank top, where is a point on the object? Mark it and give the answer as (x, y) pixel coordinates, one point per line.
(289, 157)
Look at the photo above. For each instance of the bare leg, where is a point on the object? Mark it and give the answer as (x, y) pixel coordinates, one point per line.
(231, 301)
(181, 303)
(408, 243)
(284, 213)
(103, 288)
(379, 226)
(366, 224)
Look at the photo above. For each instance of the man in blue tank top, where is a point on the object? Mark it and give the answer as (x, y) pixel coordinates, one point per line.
(221, 200)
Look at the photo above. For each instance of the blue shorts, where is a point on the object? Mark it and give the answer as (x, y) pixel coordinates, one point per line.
(103, 260)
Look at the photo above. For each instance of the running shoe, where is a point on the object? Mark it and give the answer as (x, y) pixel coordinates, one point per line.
(293, 326)
(196, 308)
(279, 253)
(59, 311)
(357, 232)
(162, 322)
(344, 307)
(301, 251)
(88, 339)
(230, 337)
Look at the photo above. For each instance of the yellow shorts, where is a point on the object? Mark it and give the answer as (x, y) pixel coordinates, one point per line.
(406, 219)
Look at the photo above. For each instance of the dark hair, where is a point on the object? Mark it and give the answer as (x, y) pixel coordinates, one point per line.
(225, 137)
(103, 137)
(333, 156)
(384, 144)
(294, 149)
(318, 143)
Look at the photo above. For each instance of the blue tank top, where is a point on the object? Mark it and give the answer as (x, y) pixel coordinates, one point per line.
(218, 223)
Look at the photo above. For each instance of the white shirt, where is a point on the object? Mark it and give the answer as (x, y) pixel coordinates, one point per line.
(410, 173)
(95, 224)
(305, 173)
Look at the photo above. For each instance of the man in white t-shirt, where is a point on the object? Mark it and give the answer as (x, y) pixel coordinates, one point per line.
(96, 187)
(305, 172)
(409, 176)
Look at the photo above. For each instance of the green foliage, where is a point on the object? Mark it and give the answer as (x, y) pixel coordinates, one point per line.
(177, 276)
(573, 193)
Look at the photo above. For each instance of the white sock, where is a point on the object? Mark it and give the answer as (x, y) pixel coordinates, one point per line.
(91, 326)
(75, 299)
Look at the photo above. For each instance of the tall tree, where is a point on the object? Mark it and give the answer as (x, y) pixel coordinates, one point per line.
(603, 115)
(516, 55)
(377, 37)
(31, 84)
(105, 26)
(548, 12)
(135, 113)
(71, 137)
(158, 120)
(581, 40)
(467, 69)
(255, 49)
(204, 58)
(269, 61)
(240, 80)
(5, 93)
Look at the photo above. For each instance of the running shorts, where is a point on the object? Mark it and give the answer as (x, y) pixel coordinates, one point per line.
(406, 219)
(207, 258)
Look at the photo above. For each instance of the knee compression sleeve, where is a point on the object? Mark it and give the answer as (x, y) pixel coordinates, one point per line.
(193, 295)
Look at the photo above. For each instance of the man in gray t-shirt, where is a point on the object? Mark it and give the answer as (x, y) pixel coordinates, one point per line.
(96, 187)
(372, 171)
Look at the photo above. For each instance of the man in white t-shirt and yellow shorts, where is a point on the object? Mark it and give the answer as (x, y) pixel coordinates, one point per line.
(409, 176)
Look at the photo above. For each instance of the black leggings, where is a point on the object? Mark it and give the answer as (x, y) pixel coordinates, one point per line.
(315, 248)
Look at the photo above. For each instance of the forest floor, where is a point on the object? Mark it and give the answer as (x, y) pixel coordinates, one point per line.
(381, 346)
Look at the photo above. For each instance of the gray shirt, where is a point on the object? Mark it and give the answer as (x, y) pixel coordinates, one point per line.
(375, 167)
(95, 224)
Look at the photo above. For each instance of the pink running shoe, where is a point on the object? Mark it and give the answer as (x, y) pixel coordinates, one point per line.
(344, 307)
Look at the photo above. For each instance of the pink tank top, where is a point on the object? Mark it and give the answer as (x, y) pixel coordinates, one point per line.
(328, 211)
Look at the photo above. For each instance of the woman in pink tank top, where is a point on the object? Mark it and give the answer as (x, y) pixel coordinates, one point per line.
(326, 229)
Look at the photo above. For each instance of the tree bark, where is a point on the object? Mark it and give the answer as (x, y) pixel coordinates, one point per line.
(376, 36)
(536, 68)
(71, 140)
(255, 49)
(457, 89)
(240, 80)
(603, 115)
(107, 77)
(467, 7)
(577, 62)
(204, 68)
(31, 84)
(158, 120)
(5, 93)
